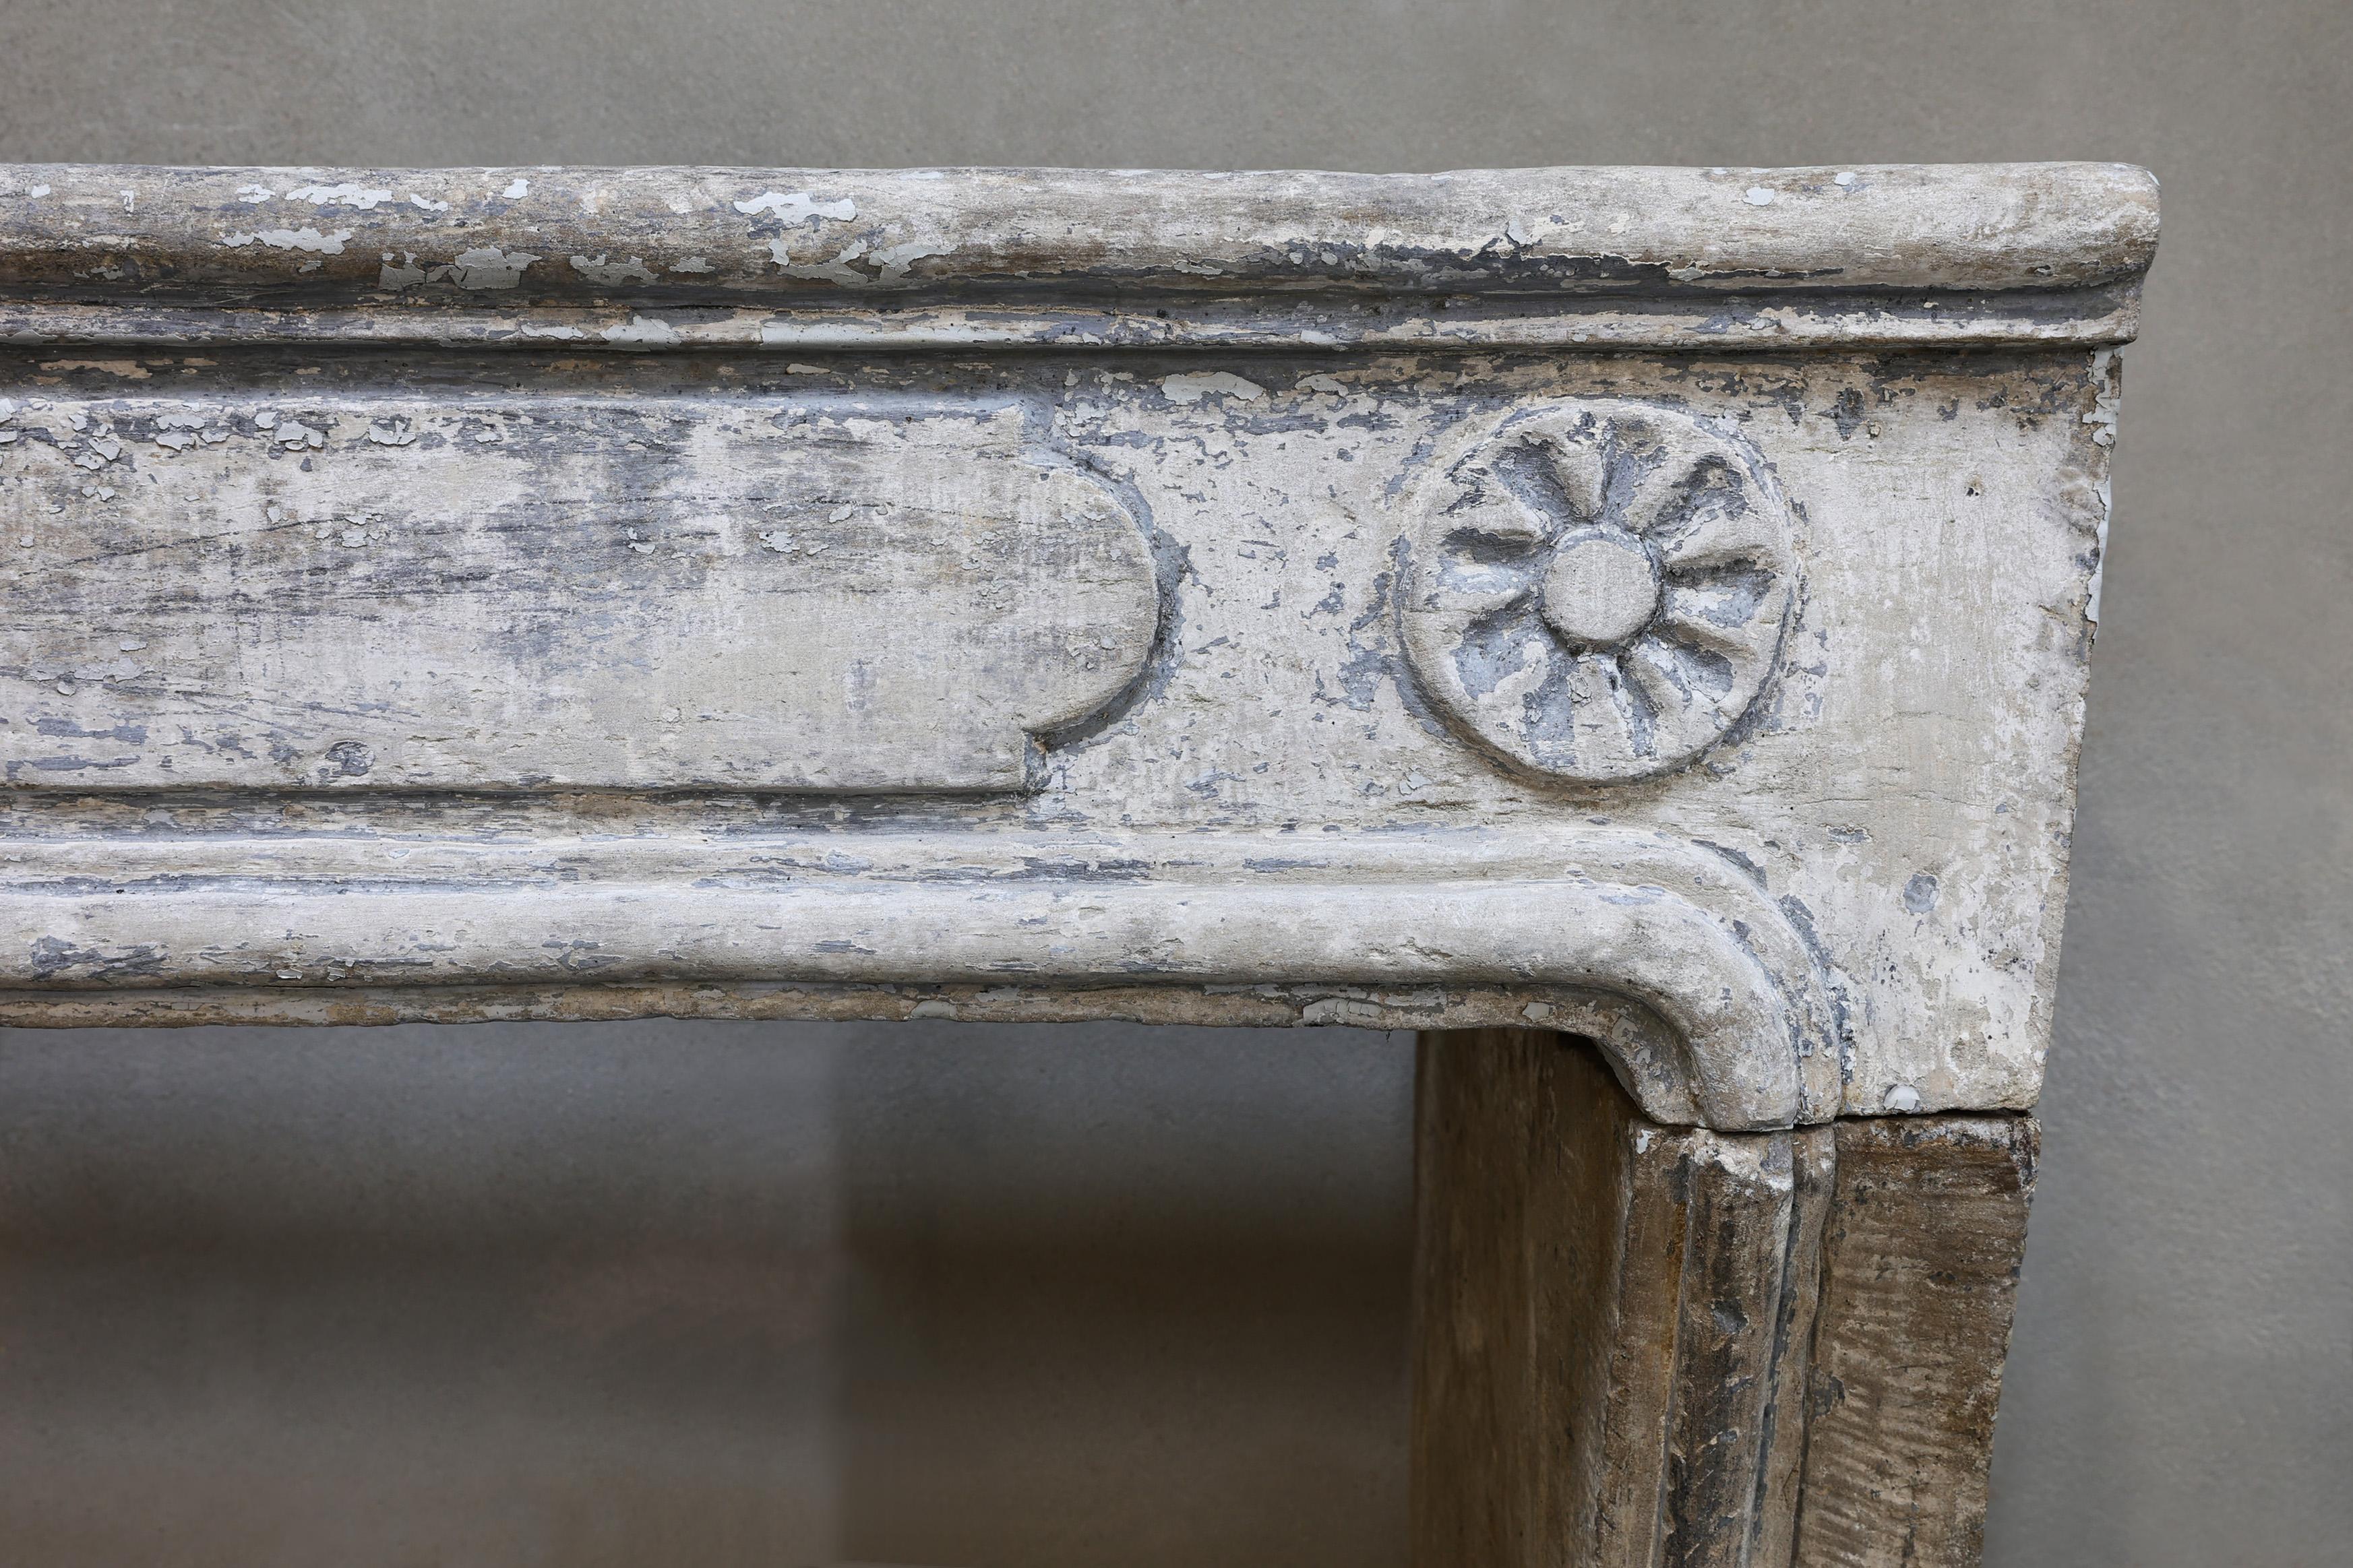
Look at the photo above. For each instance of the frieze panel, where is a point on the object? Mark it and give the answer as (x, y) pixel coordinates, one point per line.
(378, 590)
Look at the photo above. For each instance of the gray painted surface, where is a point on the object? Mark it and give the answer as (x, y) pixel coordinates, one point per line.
(260, 1304)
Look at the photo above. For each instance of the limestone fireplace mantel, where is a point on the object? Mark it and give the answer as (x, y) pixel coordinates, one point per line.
(1628, 624)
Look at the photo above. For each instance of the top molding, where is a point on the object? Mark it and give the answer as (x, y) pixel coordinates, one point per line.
(1958, 254)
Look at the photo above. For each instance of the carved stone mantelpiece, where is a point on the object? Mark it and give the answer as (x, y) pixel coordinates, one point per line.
(1650, 605)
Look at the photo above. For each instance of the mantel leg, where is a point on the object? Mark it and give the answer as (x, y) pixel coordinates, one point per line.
(1919, 1278)
(1622, 1328)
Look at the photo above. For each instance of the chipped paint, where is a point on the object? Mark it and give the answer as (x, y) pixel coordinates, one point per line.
(797, 207)
(346, 194)
(892, 260)
(612, 274)
(1191, 386)
(484, 267)
(641, 331)
(403, 273)
(2107, 404)
(304, 239)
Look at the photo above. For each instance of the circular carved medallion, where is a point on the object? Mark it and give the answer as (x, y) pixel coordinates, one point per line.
(1598, 587)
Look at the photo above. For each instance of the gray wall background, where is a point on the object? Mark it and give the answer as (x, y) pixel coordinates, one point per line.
(758, 1294)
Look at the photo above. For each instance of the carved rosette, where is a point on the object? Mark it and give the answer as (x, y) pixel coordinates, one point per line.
(1598, 587)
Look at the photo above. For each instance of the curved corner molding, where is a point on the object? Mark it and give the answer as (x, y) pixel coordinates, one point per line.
(638, 259)
(1600, 586)
(1748, 1014)
(387, 588)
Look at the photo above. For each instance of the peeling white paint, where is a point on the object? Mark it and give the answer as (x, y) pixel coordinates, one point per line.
(1903, 1098)
(517, 191)
(2107, 404)
(835, 270)
(641, 331)
(1760, 195)
(342, 195)
(305, 238)
(894, 259)
(405, 275)
(427, 204)
(256, 195)
(798, 206)
(484, 267)
(1191, 386)
(692, 264)
(599, 271)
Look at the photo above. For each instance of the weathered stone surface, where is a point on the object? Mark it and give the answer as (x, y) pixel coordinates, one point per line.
(1140, 632)
(1729, 1024)
(351, 590)
(1586, 229)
